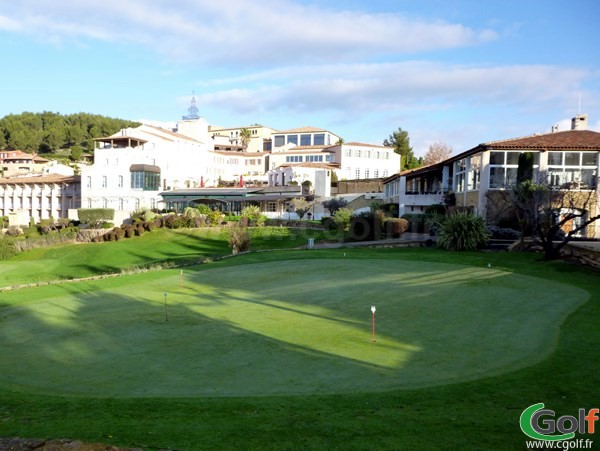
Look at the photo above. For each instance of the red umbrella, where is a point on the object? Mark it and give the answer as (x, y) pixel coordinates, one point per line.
(241, 181)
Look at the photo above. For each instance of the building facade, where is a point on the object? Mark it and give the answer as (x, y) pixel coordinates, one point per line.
(39, 197)
(567, 160)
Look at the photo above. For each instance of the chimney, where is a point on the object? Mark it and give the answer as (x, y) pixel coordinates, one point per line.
(554, 128)
(579, 122)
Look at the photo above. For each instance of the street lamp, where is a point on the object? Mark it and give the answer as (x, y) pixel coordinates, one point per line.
(373, 309)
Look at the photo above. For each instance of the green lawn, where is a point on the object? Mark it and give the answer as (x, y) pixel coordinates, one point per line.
(181, 245)
(292, 323)
(280, 328)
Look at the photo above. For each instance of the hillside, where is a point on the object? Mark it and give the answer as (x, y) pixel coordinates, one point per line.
(49, 132)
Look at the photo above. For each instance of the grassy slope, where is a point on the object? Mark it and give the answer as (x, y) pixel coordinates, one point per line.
(476, 415)
(83, 260)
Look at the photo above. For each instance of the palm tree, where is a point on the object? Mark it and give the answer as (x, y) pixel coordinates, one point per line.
(245, 136)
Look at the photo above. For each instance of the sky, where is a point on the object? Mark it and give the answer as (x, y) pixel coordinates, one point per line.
(452, 71)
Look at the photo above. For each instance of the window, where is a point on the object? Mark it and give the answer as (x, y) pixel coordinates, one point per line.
(279, 140)
(376, 173)
(357, 173)
(120, 181)
(105, 203)
(137, 204)
(148, 180)
(292, 139)
(121, 204)
(348, 152)
(385, 172)
(88, 183)
(272, 207)
(357, 153)
(104, 181)
(319, 139)
(573, 170)
(293, 159)
(503, 169)
(305, 140)
(314, 158)
(367, 173)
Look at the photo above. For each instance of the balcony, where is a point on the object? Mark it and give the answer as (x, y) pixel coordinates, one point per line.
(422, 199)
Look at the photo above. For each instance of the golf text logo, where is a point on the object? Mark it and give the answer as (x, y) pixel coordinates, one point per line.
(539, 423)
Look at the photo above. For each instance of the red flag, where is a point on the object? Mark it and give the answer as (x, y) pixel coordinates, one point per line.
(202, 182)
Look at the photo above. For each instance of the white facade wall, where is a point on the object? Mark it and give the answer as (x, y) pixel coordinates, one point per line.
(39, 199)
(183, 162)
(363, 161)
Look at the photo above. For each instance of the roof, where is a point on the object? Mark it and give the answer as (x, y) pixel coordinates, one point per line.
(353, 143)
(304, 149)
(35, 180)
(307, 129)
(567, 140)
(311, 165)
(571, 139)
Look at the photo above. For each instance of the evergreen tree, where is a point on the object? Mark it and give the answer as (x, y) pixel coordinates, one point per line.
(400, 141)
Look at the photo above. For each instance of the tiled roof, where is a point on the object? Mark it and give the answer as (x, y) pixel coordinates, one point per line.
(572, 139)
(48, 178)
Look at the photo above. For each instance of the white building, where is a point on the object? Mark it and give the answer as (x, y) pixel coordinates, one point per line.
(133, 166)
(364, 161)
(38, 197)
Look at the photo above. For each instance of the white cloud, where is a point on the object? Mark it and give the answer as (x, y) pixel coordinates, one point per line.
(357, 89)
(8, 24)
(239, 32)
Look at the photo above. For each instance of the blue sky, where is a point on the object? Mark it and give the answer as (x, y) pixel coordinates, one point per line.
(459, 72)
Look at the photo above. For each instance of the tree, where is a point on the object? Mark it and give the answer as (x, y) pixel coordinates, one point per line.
(400, 141)
(553, 214)
(76, 152)
(245, 136)
(94, 217)
(335, 204)
(339, 142)
(301, 206)
(436, 153)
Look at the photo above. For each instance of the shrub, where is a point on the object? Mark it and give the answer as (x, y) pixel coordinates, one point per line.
(215, 218)
(239, 239)
(366, 226)
(462, 231)
(395, 227)
(416, 222)
(7, 248)
(504, 233)
(255, 217)
(437, 209)
(342, 218)
(130, 232)
(328, 223)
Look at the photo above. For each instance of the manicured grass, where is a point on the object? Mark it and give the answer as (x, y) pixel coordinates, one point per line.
(161, 245)
(283, 327)
(481, 414)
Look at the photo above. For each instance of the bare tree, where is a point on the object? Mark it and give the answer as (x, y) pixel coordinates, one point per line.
(554, 215)
(437, 152)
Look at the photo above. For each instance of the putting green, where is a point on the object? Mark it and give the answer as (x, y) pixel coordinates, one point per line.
(285, 327)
